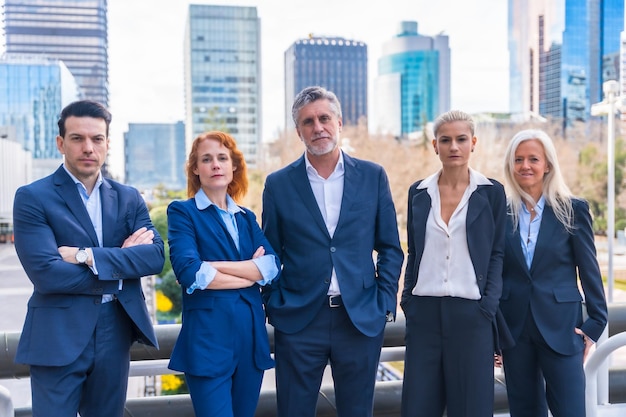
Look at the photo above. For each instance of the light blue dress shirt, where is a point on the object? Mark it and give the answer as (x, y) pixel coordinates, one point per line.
(528, 231)
(93, 205)
(206, 274)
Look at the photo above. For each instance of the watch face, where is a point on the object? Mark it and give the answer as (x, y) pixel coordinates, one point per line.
(81, 256)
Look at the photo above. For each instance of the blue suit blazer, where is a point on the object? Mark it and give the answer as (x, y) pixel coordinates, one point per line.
(549, 289)
(486, 217)
(63, 310)
(295, 227)
(206, 343)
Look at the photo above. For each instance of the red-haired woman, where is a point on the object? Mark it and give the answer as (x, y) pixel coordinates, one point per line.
(220, 257)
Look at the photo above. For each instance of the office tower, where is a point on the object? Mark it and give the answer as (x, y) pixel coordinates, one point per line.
(33, 90)
(335, 63)
(561, 52)
(154, 155)
(74, 31)
(413, 82)
(223, 75)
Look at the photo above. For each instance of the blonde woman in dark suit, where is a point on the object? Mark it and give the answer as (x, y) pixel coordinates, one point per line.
(549, 249)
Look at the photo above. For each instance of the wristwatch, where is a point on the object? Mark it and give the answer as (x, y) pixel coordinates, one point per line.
(82, 256)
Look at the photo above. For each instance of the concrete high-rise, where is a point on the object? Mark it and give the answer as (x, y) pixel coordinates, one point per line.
(413, 82)
(223, 75)
(335, 63)
(74, 31)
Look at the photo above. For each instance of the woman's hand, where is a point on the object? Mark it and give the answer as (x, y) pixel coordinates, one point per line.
(586, 340)
(497, 360)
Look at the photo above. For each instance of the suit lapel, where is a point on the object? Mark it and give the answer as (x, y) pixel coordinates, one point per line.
(421, 206)
(351, 185)
(245, 235)
(108, 200)
(513, 240)
(212, 210)
(301, 183)
(549, 224)
(68, 191)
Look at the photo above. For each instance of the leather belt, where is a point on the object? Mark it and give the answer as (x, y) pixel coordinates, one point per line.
(335, 301)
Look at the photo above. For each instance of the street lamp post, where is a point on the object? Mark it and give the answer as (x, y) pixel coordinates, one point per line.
(607, 107)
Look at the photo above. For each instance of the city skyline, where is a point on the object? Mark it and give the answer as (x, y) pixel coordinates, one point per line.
(150, 77)
(146, 52)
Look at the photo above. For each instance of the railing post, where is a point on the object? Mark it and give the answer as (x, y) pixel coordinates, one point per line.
(6, 404)
(592, 366)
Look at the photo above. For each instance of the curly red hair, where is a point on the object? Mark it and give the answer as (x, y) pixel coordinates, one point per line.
(238, 187)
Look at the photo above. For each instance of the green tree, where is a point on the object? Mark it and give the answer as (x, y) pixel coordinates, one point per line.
(158, 215)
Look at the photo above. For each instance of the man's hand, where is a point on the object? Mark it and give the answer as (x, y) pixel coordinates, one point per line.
(142, 236)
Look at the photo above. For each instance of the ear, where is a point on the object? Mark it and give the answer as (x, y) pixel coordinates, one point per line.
(434, 142)
(60, 144)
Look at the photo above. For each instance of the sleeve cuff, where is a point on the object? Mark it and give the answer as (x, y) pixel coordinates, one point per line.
(267, 267)
(204, 277)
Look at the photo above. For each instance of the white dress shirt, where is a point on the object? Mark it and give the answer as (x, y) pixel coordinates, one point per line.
(446, 267)
(328, 194)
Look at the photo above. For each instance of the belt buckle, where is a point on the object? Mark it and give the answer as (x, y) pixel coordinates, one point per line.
(331, 298)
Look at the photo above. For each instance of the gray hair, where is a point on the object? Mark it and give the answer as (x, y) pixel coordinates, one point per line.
(311, 94)
(556, 193)
(453, 116)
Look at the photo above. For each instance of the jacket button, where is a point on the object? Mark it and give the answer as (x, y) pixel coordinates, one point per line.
(326, 281)
(333, 249)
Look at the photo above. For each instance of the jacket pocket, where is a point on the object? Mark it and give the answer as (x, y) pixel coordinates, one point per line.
(567, 295)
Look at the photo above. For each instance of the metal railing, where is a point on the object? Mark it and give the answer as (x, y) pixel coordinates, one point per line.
(149, 361)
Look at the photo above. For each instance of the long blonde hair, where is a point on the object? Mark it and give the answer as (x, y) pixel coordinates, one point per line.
(556, 193)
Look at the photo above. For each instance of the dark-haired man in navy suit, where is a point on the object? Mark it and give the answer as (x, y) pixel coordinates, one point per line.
(326, 214)
(84, 242)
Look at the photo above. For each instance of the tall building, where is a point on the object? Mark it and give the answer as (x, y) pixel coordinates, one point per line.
(154, 154)
(74, 31)
(413, 82)
(561, 52)
(223, 75)
(335, 63)
(33, 90)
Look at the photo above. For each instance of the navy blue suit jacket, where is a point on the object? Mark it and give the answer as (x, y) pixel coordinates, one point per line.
(295, 227)
(549, 289)
(64, 307)
(486, 217)
(206, 343)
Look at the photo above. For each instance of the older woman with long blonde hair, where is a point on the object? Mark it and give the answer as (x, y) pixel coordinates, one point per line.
(549, 249)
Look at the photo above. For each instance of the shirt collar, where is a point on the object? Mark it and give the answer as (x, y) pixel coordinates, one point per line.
(202, 202)
(538, 207)
(476, 179)
(339, 168)
(77, 181)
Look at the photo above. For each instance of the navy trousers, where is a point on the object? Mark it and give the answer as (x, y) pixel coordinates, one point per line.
(302, 357)
(95, 384)
(448, 360)
(538, 377)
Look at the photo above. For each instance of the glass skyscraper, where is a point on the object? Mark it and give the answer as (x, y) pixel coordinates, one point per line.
(154, 154)
(335, 63)
(33, 90)
(561, 52)
(223, 75)
(74, 31)
(414, 77)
